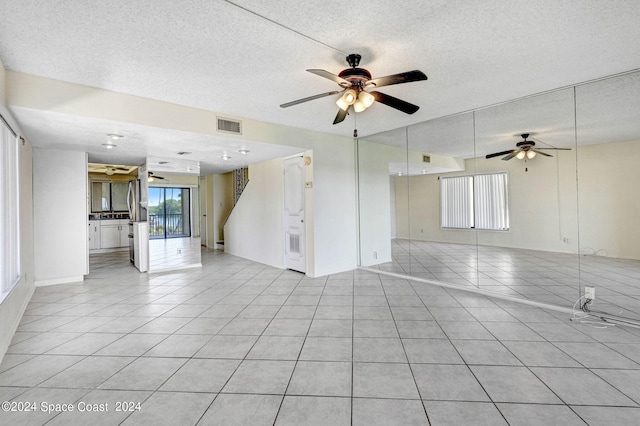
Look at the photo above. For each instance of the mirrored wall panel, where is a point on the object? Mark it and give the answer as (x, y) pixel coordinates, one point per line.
(536, 198)
(525, 201)
(608, 135)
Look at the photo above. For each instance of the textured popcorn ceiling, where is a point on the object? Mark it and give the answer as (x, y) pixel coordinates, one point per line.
(244, 58)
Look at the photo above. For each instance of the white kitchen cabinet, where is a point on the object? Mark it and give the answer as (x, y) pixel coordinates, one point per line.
(93, 234)
(114, 233)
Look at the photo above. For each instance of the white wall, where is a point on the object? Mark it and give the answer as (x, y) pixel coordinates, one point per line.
(60, 216)
(609, 199)
(334, 238)
(255, 228)
(13, 306)
(375, 200)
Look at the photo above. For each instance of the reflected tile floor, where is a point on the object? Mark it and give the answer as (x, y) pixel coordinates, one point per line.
(240, 343)
(554, 278)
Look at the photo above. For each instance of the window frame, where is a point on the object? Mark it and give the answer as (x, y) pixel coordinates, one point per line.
(10, 233)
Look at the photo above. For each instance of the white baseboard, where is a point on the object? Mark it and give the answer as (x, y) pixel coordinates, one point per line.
(65, 280)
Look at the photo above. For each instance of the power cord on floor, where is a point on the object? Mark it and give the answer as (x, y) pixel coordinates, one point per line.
(583, 315)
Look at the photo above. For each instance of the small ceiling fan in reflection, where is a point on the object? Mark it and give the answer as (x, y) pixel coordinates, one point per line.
(353, 82)
(524, 148)
(153, 177)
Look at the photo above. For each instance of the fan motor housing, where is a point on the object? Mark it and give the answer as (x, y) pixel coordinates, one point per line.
(528, 144)
(356, 76)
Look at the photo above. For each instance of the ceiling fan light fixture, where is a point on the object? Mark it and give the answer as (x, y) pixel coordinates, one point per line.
(347, 99)
(531, 154)
(521, 155)
(364, 101)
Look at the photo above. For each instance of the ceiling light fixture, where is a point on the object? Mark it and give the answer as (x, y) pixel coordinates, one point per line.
(243, 151)
(521, 155)
(115, 135)
(347, 99)
(225, 157)
(399, 173)
(531, 154)
(109, 145)
(364, 101)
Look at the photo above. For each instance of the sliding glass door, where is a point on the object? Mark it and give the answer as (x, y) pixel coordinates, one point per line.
(169, 214)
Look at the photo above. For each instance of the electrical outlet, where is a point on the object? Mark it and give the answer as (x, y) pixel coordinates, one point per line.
(179, 251)
(590, 293)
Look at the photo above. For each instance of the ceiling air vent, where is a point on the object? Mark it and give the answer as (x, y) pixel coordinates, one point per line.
(426, 158)
(229, 126)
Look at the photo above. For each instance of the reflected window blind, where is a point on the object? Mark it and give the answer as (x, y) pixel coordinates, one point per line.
(491, 209)
(479, 201)
(456, 203)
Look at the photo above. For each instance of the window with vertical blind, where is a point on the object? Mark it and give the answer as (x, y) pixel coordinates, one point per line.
(479, 201)
(9, 214)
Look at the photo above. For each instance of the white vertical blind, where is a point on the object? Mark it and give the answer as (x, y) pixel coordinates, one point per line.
(491, 207)
(479, 201)
(9, 214)
(456, 202)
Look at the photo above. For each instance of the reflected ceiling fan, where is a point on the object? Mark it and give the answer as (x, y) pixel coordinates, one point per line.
(110, 170)
(353, 82)
(153, 177)
(524, 149)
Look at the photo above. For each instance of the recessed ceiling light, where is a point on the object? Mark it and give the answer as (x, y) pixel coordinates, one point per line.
(243, 151)
(162, 162)
(109, 145)
(182, 153)
(399, 173)
(424, 172)
(115, 135)
(225, 157)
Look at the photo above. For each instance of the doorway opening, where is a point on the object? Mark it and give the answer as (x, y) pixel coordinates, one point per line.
(169, 212)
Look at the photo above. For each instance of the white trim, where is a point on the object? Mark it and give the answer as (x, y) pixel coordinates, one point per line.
(55, 281)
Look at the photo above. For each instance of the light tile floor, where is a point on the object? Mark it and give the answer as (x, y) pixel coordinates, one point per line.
(240, 343)
(554, 278)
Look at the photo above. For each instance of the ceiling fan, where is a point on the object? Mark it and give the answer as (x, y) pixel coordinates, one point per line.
(153, 177)
(353, 82)
(110, 170)
(524, 149)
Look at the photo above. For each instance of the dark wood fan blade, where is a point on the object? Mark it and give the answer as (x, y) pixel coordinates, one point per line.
(326, 74)
(396, 103)
(498, 154)
(341, 115)
(510, 156)
(541, 153)
(403, 77)
(310, 98)
(557, 149)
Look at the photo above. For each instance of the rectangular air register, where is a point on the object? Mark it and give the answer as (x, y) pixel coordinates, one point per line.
(294, 243)
(229, 126)
(426, 158)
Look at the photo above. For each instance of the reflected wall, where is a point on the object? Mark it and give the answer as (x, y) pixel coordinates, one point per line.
(572, 199)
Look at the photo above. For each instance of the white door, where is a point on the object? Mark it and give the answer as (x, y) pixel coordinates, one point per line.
(203, 211)
(294, 214)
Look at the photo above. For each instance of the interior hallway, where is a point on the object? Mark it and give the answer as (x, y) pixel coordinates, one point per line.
(236, 342)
